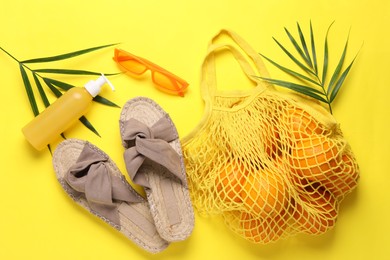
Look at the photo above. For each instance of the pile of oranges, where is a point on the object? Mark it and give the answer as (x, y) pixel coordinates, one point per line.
(308, 170)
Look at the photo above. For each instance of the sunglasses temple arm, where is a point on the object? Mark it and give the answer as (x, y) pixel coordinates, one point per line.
(178, 89)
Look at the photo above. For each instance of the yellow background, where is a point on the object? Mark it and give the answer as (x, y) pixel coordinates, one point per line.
(39, 221)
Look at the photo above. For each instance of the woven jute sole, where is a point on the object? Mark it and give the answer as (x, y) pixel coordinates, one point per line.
(136, 221)
(148, 112)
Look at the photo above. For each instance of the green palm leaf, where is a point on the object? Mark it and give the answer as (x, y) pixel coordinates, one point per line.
(311, 92)
(88, 124)
(73, 72)
(42, 93)
(67, 55)
(326, 54)
(297, 47)
(313, 49)
(291, 72)
(340, 82)
(62, 85)
(295, 60)
(337, 71)
(304, 46)
(104, 101)
(53, 89)
(29, 90)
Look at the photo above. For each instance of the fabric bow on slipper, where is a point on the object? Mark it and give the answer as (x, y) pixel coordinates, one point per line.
(93, 181)
(152, 143)
(155, 161)
(90, 175)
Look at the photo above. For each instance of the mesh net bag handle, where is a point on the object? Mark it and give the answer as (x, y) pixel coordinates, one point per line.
(208, 81)
(208, 84)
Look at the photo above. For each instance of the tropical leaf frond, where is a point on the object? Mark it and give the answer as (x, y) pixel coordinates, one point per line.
(57, 87)
(314, 80)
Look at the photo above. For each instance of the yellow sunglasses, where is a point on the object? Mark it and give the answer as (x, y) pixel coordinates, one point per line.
(163, 79)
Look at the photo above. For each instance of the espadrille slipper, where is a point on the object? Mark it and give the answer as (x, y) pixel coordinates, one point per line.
(93, 181)
(154, 160)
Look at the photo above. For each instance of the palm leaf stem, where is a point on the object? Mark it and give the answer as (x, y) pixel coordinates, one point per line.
(9, 54)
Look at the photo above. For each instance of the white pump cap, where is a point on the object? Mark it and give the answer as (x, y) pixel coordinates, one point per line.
(94, 86)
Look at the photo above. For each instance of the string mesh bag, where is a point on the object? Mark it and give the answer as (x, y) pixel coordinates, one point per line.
(271, 163)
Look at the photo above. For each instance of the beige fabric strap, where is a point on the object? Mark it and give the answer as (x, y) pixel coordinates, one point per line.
(208, 81)
(152, 143)
(90, 176)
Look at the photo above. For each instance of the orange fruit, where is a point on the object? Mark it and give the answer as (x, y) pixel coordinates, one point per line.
(302, 124)
(345, 178)
(314, 158)
(317, 211)
(229, 182)
(272, 142)
(260, 230)
(264, 193)
(311, 222)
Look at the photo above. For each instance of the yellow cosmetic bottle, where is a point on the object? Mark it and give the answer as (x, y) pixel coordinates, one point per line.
(64, 112)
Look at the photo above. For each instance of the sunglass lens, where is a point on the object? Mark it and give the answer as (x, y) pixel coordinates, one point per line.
(167, 83)
(133, 66)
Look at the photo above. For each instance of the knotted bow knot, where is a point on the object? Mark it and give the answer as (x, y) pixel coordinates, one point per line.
(91, 176)
(152, 142)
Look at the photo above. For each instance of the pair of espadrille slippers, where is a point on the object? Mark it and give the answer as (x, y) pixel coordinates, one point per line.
(153, 159)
